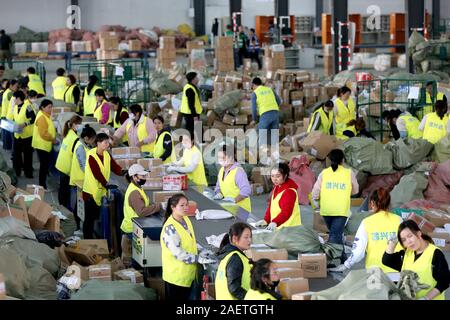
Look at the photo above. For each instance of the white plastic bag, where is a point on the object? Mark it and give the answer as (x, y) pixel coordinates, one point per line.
(213, 215)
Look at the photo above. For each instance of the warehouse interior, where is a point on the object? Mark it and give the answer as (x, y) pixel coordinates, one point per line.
(150, 62)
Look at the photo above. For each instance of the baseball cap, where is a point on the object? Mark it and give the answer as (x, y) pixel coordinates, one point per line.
(137, 169)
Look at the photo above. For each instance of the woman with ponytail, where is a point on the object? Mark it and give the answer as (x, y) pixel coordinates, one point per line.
(89, 99)
(233, 274)
(420, 255)
(436, 125)
(334, 187)
(372, 234)
(64, 160)
(179, 250)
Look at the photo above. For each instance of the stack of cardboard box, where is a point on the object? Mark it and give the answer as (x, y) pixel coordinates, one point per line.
(134, 45)
(194, 44)
(274, 59)
(166, 54)
(109, 46)
(328, 60)
(224, 60)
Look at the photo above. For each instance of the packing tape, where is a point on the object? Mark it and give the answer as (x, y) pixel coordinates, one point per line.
(131, 275)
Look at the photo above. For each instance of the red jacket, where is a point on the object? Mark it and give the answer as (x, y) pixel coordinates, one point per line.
(286, 202)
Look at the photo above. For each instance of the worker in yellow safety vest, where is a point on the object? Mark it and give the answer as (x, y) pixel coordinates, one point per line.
(283, 209)
(99, 165)
(264, 279)
(373, 233)
(179, 250)
(436, 125)
(78, 165)
(59, 85)
(191, 106)
(323, 119)
(334, 187)
(44, 137)
(428, 108)
(344, 111)
(102, 111)
(265, 103)
(408, 126)
(233, 274)
(136, 204)
(232, 182)
(139, 130)
(35, 82)
(89, 99)
(421, 256)
(120, 115)
(164, 148)
(64, 160)
(72, 93)
(24, 117)
(10, 87)
(191, 163)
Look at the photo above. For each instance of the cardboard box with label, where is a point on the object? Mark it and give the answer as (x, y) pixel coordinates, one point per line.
(163, 196)
(290, 286)
(437, 217)
(175, 182)
(39, 213)
(99, 246)
(153, 184)
(129, 275)
(272, 254)
(314, 265)
(424, 225)
(149, 164)
(290, 273)
(36, 190)
(319, 144)
(303, 296)
(441, 240)
(126, 153)
(17, 210)
(287, 264)
(100, 272)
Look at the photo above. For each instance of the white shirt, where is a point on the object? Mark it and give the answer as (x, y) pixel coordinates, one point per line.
(193, 163)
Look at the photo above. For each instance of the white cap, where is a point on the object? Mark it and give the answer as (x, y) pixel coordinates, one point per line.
(137, 169)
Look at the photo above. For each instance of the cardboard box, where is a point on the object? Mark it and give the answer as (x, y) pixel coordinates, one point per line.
(424, 225)
(157, 172)
(109, 43)
(163, 196)
(126, 153)
(153, 184)
(167, 42)
(211, 116)
(224, 42)
(314, 265)
(134, 45)
(175, 182)
(100, 272)
(437, 217)
(158, 285)
(287, 264)
(39, 213)
(125, 164)
(150, 164)
(2, 287)
(241, 119)
(36, 190)
(257, 189)
(53, 224)
(290, 286)
(290, 273)
(83, 255)
(302, 296)
(129, 275)
(319, 144)
(441, 240)
(17, 210)
(357, 202)
(272, 254)
(228, 119)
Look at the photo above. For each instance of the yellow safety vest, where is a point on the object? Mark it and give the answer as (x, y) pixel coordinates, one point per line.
(428, 108)
(20, 117)
(38, 142)
(64, 160)
(422, 266)
(98, 112)
(76, 173)
(175, 271)
(435, 128)
(159, 148)
(343, 116)
(10, 112)
(221, 283)
(198, 176)
(142, 134)
(412, 126)
(265, 100)
(228, 188)
(335, 192)
(68, 94)
(326, 120)
(89, 100)
(128, 211)
(35, 83)
(256, 295)
(184, 101)
(92, 185)
(295, 218)
(117, 125)
(5, 102)
(59, 87)
(380, 227)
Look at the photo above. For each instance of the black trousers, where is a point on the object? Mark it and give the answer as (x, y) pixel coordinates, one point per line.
(91, 213)
(23, 157)
(176, 293)
(44, 165)
(189, 122)
(64, 191)
(242, 54)
(254, 55)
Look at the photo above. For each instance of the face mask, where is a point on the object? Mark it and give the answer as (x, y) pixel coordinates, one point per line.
(141, 182)
(186, 145)
(222, 163)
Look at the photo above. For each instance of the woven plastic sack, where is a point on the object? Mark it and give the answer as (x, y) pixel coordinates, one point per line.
(113, 290)
(371, 284)
(162, 85)
(414, 40)
(354, 222)
(386, 181)
(303, 176)
(368, 155)
(228, 101)
(17, 276)
(12, 227)
(441, 152)
(410, 187)
(438, 183)
(43, 285)
(408, 152)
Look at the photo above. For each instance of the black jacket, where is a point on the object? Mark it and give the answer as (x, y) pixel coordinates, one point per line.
(167, 143)
(234, 270)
